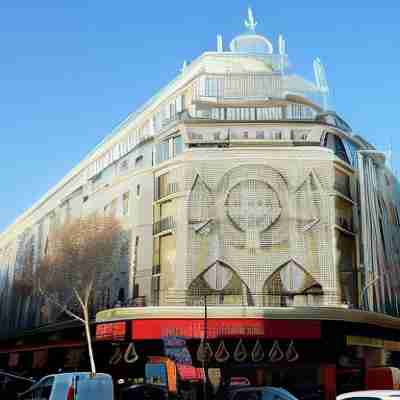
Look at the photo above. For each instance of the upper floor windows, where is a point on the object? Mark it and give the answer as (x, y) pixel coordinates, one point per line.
(169, 148)
(288, 112)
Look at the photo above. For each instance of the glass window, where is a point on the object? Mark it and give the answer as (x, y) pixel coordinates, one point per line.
(139, 161)
(137, 190)
(178, 145)
(162, 152)
(155, 290)
(335, 143)
(161, 186)
(125, 203)
(260, 135)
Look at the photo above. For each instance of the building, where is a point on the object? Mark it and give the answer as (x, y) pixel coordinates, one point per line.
(235, 184)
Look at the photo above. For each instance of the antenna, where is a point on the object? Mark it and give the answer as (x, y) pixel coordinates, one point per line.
(250, 23)
(220, 46)
(320, 79)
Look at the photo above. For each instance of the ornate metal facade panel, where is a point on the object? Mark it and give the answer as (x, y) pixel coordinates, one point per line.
(257, 217)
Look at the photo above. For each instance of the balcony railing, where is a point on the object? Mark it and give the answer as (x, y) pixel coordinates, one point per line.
(238, 86)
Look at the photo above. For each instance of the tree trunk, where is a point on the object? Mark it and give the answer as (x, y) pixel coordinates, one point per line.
(89, 342)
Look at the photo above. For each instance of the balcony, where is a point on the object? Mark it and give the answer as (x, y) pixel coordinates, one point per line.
(164, 224)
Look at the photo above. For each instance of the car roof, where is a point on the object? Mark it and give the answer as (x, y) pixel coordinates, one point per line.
(369, 393)
(269, 388)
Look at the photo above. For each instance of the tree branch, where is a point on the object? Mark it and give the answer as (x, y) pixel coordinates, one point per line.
(63, 308)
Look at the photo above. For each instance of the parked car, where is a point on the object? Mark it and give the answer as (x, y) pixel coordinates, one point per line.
(370, 395)
(255, 393)
(12, 384)
(145, 391)
(71, 386)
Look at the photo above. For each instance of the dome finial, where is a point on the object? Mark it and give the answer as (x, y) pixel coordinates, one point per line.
(250, 22)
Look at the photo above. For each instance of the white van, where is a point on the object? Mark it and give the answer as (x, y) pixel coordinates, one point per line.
(71, 386)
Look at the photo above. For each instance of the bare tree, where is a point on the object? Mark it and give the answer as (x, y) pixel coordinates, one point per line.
(78, 265)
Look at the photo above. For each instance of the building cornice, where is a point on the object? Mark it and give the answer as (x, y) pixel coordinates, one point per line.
(214, 312)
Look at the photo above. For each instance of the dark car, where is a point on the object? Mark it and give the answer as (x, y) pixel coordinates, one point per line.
(255, 393)
(145, 391)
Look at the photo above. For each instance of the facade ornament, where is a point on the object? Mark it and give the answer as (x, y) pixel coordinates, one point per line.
(240, 353)
(257, 353)
(130, 355)
(275, 354)
(116, 357)
(222, 354)
(204, 351)
(250, 23)
(291, 353)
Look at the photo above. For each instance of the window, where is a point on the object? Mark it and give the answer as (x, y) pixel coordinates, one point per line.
(161, 186)
(124, 166)
(125, 204)
(260, 135)
(346, 257)
(139, 161)
(113, 207)
(155, 290)
(162, 152)
(335, 143)
(42, 391)
(177, 144)
(137, 190)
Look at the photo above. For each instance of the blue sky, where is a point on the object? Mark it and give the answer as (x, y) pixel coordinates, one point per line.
(71, 70)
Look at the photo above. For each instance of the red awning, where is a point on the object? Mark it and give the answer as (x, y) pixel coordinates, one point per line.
(189, 373)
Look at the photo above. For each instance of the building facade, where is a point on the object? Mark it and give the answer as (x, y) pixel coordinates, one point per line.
(236, 184)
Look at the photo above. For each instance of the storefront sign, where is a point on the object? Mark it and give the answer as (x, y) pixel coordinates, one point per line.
(364, 341)
(175, 348)
(111, 331)
(390, 345)
(226, 328)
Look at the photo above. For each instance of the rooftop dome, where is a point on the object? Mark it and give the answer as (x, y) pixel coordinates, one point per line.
(251, 42)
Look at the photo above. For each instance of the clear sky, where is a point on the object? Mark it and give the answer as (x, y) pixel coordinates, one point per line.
(71, 70)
